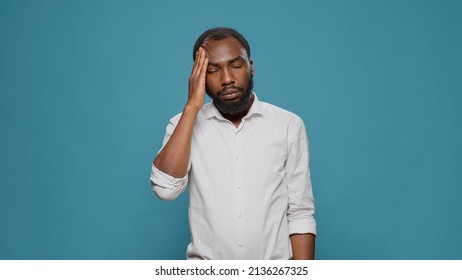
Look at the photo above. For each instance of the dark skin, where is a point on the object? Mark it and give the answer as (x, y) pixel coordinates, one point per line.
(221, 66)
(228, 66)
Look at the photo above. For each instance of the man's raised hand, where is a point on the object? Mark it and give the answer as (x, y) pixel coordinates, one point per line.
(197, 80)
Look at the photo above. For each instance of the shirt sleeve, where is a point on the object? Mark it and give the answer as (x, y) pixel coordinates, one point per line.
(165, 186)
(301, 206)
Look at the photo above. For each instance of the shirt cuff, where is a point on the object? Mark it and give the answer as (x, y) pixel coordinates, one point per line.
(305, 225)
(165, 186)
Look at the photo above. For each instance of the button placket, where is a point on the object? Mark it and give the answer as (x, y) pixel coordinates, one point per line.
(239, 203)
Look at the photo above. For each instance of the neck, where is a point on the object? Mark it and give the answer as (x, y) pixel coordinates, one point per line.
(237, 117)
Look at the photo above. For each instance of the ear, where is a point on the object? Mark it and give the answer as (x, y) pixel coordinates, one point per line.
(252, 69)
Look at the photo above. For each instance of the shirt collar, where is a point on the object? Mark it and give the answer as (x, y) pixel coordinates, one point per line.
(256, 109)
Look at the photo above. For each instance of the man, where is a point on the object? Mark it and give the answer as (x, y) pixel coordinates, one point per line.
(245, 161)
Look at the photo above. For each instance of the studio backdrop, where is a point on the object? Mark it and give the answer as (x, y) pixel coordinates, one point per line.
(87, 88)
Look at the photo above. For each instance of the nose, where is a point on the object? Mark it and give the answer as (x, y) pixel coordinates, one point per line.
(227, 77)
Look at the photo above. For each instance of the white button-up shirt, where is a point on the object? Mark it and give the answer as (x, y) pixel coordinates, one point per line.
(249, 186)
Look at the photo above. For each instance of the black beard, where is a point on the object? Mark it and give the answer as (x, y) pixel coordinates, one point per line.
(232, 108)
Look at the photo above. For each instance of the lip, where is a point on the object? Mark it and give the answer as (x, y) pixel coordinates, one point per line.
(231, 94)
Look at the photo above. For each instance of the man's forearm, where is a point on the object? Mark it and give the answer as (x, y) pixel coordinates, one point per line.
(303, 246)
(174, 157)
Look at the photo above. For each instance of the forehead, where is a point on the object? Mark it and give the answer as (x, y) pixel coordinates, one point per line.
(224, 50)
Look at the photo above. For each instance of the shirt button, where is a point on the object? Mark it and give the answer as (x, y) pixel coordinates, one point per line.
(240, 245)
(238, 186)
(239, 215)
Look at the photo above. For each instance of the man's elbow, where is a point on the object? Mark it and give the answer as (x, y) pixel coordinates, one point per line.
(165, 193)
(165, 186)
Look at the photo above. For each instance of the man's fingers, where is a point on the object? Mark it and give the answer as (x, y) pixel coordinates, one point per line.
(202, 57)
(197, 79)
(203, 71)
(198, 62)
(199, 70)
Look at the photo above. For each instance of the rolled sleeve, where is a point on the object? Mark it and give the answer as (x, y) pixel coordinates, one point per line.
(301, 208)
(165, 186)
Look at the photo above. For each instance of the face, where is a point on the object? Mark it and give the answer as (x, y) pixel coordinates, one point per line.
(230, 73)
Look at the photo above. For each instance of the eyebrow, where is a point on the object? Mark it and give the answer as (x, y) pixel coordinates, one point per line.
(229, 61)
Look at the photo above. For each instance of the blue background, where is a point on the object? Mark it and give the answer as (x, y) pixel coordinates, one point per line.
(87, 88)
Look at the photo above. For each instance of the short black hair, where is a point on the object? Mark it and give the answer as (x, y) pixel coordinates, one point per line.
(220, 33)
